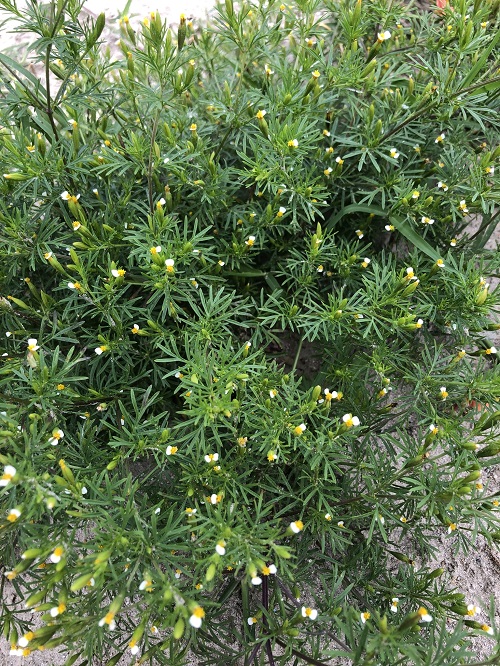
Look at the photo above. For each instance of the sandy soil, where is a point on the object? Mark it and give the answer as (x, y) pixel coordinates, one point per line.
(476, 574)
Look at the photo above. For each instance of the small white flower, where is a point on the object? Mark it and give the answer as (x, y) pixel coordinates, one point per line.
(56, 555)
(169, 263)
(161, 202)
(310, 613)
(33, 344)
(157, 510)
(296, 526)
(350, 420)
(134, 649)
(340, 523)
(57, 434)
(424, 615)
(8, 334)
(211, 457)
(256, 580)
(196, 618)
(220, 547)
(251, 620)
(54, 611)
(84, 490)
(472, 610)
(427, 220)
(9, 473)
(13, 515)
(394, 604)
(394, 153)
(383, 36)
(443, 186)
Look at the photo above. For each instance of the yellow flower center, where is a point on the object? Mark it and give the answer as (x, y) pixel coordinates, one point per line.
(199, 612)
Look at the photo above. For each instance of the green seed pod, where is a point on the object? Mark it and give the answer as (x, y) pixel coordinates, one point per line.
(16, 176)
(473, 476)
(410, 621)
(435, 574)
(400, 556)
(81, 582)
(473, 624)
(31, 553)
(460, 609)
(469, 446)
(211, 571)
(13, 636)
(287, 99)
(40, 142)
(66, 472)
(369, 68)
(467, 34)
(110, 466)
(413, 462)
(179, 629)
(492, 449)
(34, 599)
(464, 490)
(97, 31)
(316, 393)
(181, 33)
(131, 33)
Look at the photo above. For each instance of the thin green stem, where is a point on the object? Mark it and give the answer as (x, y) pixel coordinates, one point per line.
(297, 354)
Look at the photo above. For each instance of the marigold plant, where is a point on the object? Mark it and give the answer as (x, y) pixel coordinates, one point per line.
(249, 373)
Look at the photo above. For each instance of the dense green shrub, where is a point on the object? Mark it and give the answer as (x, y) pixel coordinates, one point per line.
(221, 248)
